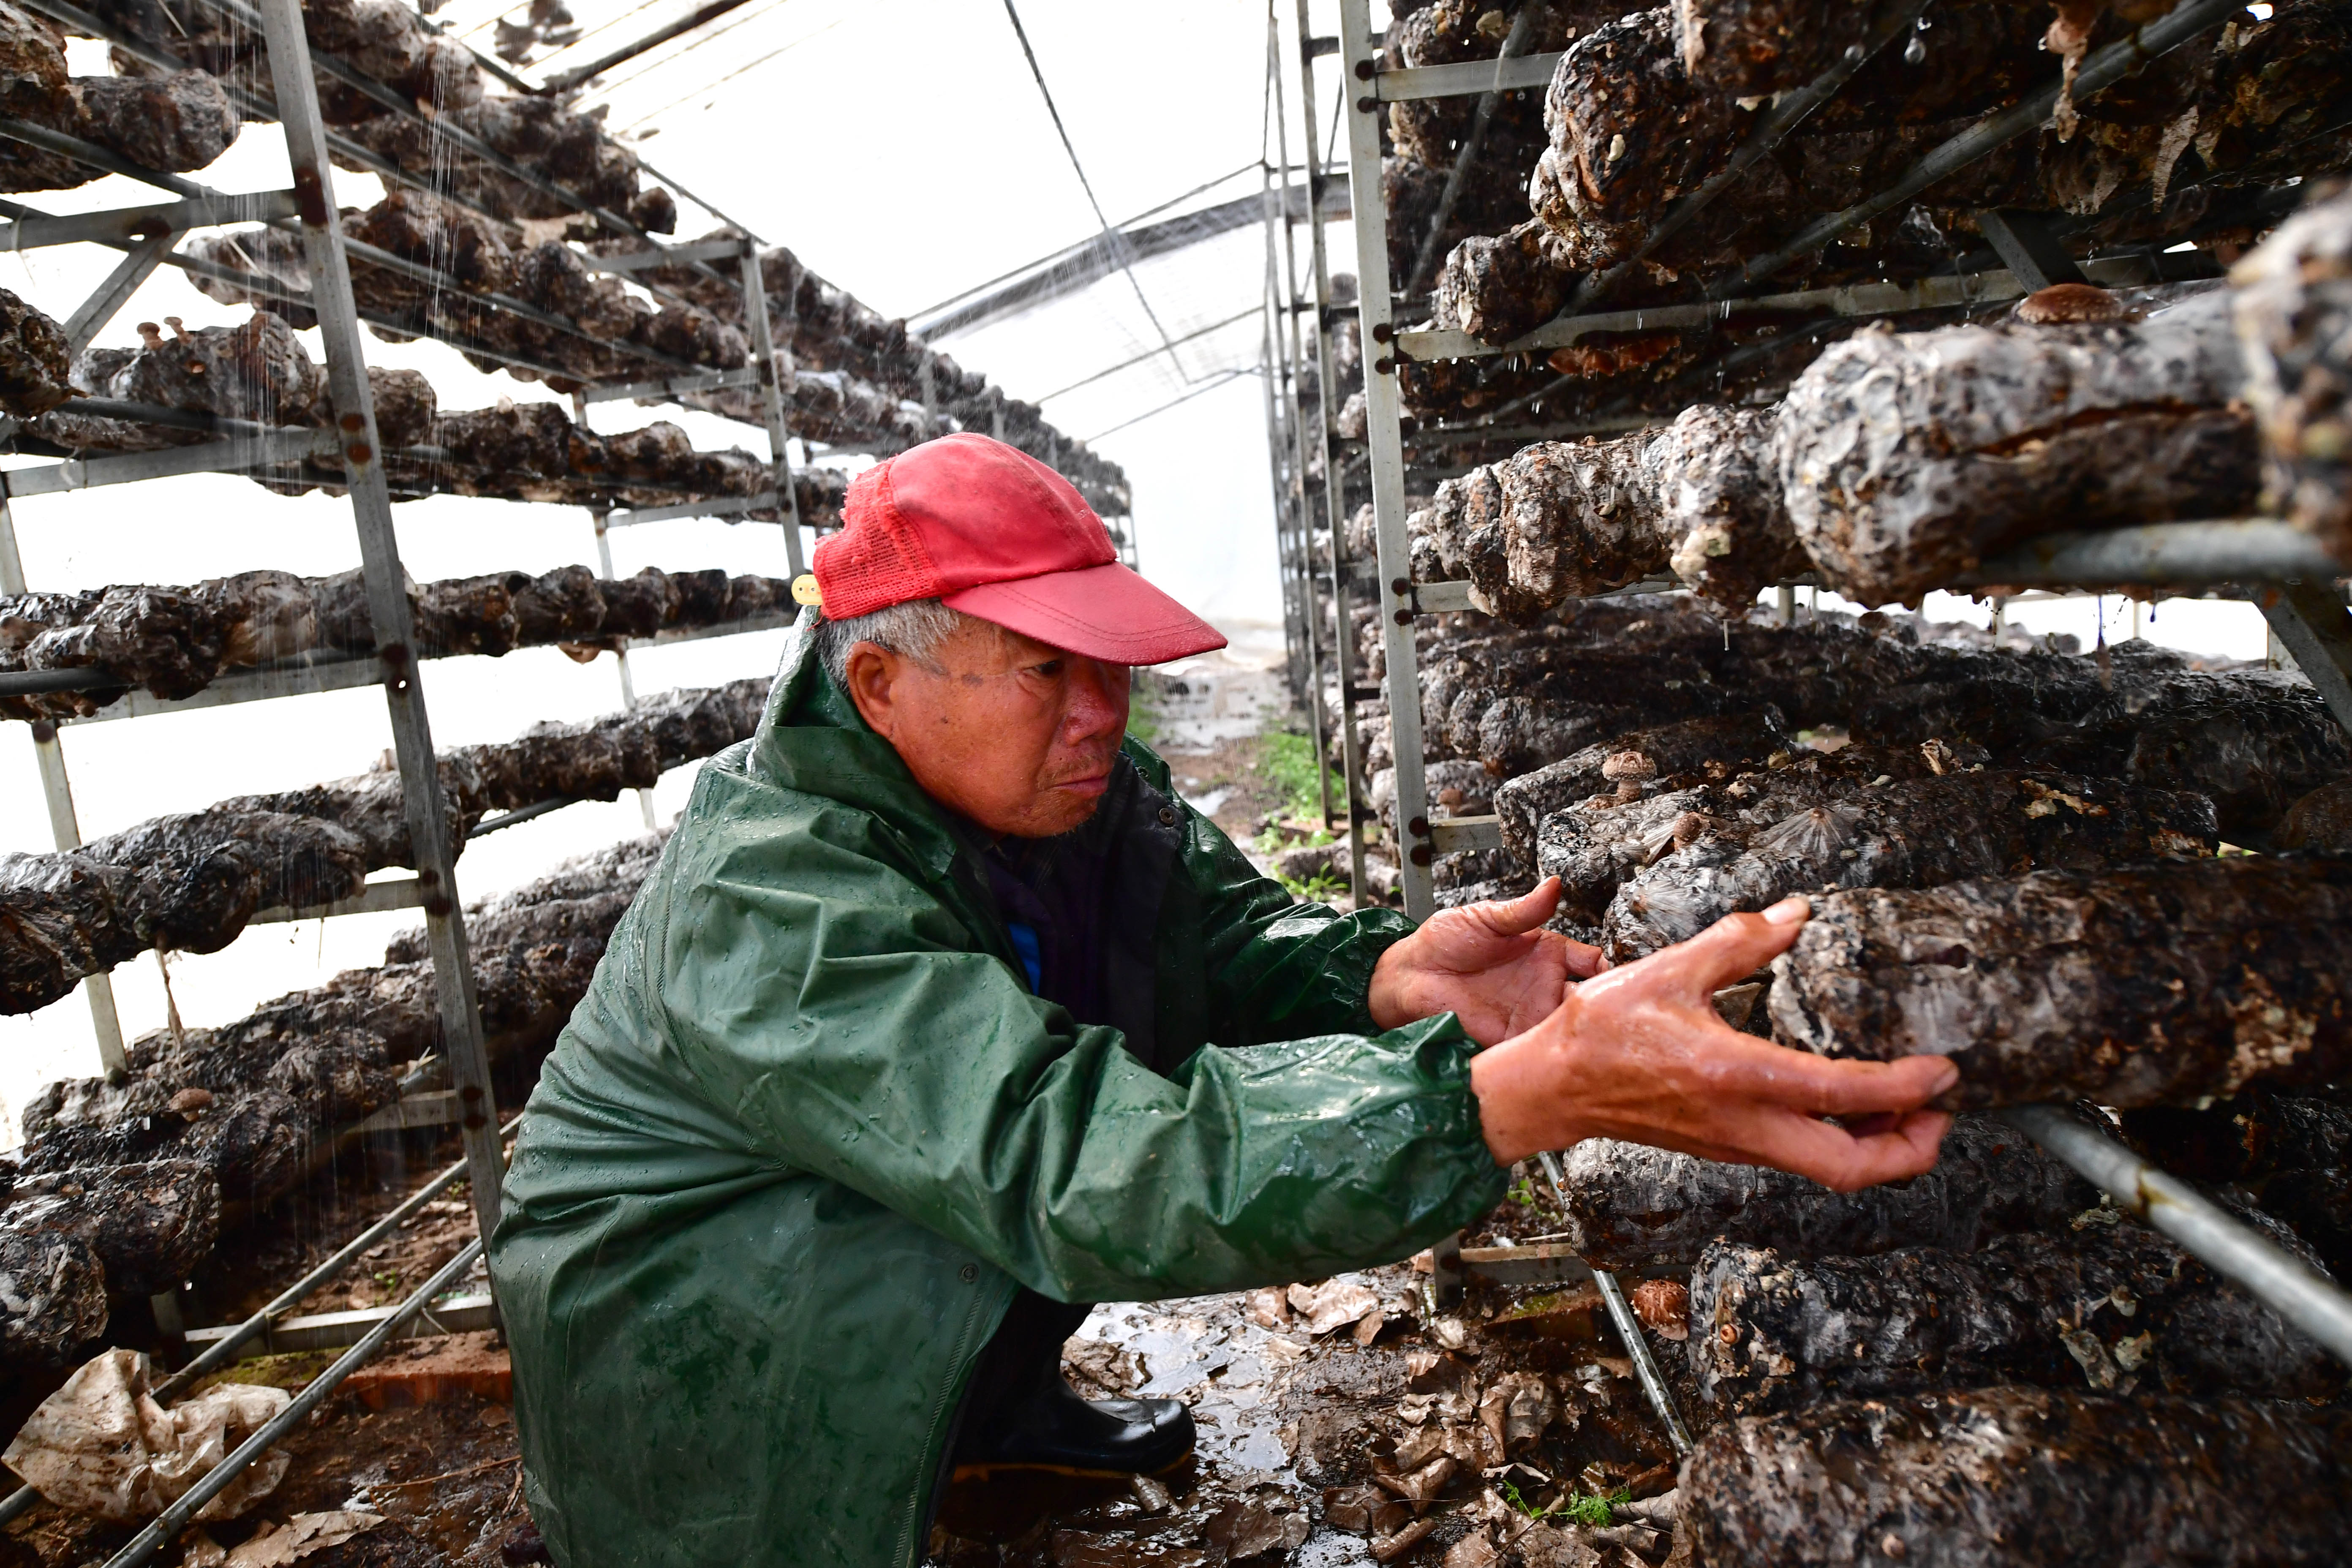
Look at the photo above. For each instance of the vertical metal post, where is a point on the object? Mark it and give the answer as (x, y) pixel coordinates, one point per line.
(1335, 492)
(1294, 628)
(1384, 410)
(65, 827)
(1300, 664)
(620, 655)
(431, 849)
(2309, 622)
(764, 345)
(1295, 495)
(597, 516)
(1785, 601)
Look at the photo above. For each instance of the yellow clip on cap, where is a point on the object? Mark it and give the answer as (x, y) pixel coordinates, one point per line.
(805, 589)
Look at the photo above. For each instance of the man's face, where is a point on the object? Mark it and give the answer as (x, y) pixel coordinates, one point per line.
(1016, 734)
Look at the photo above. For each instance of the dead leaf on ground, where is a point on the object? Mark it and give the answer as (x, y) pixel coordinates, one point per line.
(280, 1546)
(1269, 1308)
(1334, 1302)
(1256, 1525)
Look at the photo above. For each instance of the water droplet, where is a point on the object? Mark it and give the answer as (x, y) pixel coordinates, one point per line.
(1915, 51)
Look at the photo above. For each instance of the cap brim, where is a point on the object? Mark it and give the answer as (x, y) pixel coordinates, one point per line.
(1103, 612)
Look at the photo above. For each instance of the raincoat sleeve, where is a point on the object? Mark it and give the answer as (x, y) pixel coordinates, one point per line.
(835, 1008)
(1279, 968)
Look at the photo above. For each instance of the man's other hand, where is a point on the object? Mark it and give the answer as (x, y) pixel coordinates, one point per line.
(1640, 1053)
(1492, 965)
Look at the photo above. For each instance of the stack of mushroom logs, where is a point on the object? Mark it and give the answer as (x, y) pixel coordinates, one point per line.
(1644, 108)
(2020, 858)
(122, 1186)
(176, 641)
(853, 378)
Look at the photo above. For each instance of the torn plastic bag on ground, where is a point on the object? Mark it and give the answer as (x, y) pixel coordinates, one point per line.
(102, 1445)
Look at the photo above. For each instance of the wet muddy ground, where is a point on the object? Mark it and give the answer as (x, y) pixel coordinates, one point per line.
(1344, 1422)
(1340, 1422)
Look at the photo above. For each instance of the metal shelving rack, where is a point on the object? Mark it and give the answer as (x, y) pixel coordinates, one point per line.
(2296, 585)
(147, 235)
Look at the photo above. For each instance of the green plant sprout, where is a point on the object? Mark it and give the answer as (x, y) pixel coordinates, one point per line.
(1595, 1512)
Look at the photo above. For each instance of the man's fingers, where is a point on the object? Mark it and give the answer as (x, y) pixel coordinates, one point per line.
(1584, 962)
(1843, 1161)
(1735, 947)
(1746, 1068)
(1515, 917)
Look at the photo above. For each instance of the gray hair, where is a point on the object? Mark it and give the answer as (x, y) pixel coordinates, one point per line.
(912, 631)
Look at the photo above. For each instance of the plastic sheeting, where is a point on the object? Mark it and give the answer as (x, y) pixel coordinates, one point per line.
(101, 1444)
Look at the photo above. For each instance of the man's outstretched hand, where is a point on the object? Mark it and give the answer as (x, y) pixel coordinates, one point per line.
(1492, 965)
(1639, 1053)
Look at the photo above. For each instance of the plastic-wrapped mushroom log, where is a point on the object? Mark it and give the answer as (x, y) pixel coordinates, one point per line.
(72, 1240)
(1906, 459)
(172, 123)
(2294, 318)
(250, 1101)
(1644, 110)
(193, 881)
(1630, 1205)
(2142, 986)
(1914, 833)
(174, 641)
(2024, 1478)
(2109, 1306)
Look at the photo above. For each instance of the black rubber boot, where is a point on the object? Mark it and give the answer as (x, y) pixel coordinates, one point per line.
(1019, 1414)
(1053, 1429)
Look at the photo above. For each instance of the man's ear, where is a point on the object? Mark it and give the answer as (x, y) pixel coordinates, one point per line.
(873, 673)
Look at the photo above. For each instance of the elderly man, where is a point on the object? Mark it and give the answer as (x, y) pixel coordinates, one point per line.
(945, 1016)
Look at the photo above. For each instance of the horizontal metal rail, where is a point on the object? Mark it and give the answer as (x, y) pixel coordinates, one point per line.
(722, 506)
(673, 255)
(520, 815)
(210, 211)
(240, 452)
(308, 675)
(1988, 288)
(314, 1394)
(2250, 550)
(375, 898)
(1788, 110)
(333, 1331)
(2100, 69)
(672, 388)
(1464, 78)
(2174, 1209)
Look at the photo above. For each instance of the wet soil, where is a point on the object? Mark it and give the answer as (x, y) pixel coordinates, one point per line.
(1308, 1442)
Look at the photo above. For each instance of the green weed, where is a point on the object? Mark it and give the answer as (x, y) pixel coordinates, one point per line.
(1578, 1508)
(1288, 763)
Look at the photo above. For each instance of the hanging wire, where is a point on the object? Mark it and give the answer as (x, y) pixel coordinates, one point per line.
(603, 27)
(657, 60)
(1211, 384)
(730, 75)
(1109, 232)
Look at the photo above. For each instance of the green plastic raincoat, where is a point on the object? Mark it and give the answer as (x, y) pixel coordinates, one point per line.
(809, 1130)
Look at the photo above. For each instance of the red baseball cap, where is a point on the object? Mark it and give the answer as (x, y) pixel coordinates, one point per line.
(990, 530)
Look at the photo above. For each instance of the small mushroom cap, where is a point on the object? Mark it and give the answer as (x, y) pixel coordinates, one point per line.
(1629, 766)
(2070, 302)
